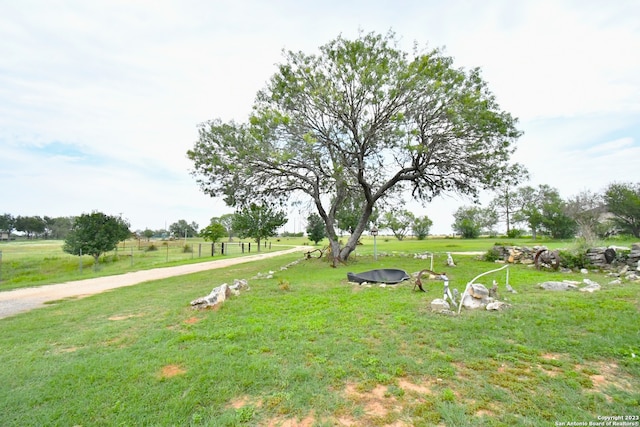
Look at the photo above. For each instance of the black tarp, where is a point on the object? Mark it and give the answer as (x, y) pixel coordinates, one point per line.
(384, 275)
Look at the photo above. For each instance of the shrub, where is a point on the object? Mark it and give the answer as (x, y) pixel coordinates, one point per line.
(574, 260)
(491, 255)
(187, 249)
(515, 233)
(151, 248)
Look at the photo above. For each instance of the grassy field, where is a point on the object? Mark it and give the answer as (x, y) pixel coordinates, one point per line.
(306, 348)
(31, 263)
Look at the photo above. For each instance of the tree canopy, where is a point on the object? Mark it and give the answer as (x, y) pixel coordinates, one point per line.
(94, 234)
(421, 226)
(315, 228)
(258, 222)
(213, 232)
(623, 202)
(399, 221)
(359, 119)
(182, 228)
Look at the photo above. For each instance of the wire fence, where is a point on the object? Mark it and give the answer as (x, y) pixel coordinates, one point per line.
(24, 261)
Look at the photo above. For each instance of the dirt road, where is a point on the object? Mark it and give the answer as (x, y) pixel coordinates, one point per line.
(25, 299)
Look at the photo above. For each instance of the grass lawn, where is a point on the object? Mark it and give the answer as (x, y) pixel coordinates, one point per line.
(39, 262)
(307, 348)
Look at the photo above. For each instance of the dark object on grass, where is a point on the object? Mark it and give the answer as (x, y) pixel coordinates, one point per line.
(418, 283)
(384, 275)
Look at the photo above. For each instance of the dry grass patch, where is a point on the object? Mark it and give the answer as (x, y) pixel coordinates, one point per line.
(124, 316)
(170, 371)
(606, 374)
(307, 421)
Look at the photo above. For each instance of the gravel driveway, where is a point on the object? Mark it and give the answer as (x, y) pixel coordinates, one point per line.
(25, 299)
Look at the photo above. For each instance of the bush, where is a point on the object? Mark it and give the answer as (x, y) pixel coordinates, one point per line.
(574, 260)
(151, 248)
(492, 255)
(515, 233)
(187, 249)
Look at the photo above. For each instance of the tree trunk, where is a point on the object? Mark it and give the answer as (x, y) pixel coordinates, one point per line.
(341, 255)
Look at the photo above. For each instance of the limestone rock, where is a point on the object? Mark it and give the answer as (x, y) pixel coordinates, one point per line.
(591, 288)
(217, 296)
(497, 305)
(478, 290)
(558, 286)
(439, 304)
(472, 303)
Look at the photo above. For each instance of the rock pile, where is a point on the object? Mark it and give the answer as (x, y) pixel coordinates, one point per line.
(605, 258)
(477, 296)
(517, 254)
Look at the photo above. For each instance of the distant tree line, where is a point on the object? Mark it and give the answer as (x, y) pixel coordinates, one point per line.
(36, 226)
(523, 210)
(541, 211)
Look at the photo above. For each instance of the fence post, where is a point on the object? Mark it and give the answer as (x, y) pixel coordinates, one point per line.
(222, 248)
(212, 248)
(80, 260)
(0, 266)
(199, 250)
(132, 256)
(249, 247)
(242, 247)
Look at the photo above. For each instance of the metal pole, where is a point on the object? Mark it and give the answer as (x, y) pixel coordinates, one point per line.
(375, 249)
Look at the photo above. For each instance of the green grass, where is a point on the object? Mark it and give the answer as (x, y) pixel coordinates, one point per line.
(33, 263)
(324, 351)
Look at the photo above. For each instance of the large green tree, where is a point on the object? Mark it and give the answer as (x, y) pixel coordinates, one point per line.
(226, 220)
(507, 203)
(587, 210)
(94, 234)
(213, 232)
(556, 221)
(399, 221)
(315, 228)
(32, 226)
(182, 228)
(7, 223)
(421, 226)
(258, 221)
(361, 118)
(530, 202)
(470, 221)
(623, 202)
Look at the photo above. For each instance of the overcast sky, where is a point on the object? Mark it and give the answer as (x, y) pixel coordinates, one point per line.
(100, 100)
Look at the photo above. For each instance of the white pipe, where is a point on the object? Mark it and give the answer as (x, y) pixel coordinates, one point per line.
(464, 294)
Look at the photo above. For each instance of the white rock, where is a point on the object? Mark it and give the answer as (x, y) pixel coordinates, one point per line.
(439, 304)
(497, 305)
(591, 288)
